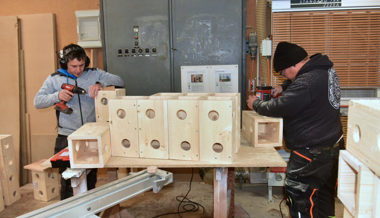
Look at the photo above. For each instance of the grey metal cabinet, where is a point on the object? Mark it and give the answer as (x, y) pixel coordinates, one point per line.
(147, 41)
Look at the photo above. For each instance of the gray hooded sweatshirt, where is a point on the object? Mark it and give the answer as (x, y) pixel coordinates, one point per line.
(47, 96)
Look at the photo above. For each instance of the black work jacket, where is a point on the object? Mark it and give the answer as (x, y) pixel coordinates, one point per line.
(309, 106)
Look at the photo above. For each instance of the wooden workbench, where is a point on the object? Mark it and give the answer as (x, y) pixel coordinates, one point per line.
(223, 172)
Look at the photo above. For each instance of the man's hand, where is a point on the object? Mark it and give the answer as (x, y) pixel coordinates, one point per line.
(94, 89)
(250, 100)
(276, 91)
(65, 95)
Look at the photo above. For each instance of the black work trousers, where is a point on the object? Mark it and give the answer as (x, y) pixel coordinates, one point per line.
(310, 184)
(66, 189)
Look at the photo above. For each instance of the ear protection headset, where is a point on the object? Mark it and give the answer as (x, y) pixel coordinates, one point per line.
(75, 51)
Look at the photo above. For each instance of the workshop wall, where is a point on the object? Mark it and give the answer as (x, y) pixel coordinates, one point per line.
(64, 11)
(65, 33)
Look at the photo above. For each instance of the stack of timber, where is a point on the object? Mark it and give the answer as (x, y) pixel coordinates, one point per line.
(9, 174)
(177, 126)
(359, 165)
(46, 181)
(262, 131)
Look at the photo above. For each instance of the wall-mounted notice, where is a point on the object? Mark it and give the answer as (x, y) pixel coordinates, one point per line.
(210, 78)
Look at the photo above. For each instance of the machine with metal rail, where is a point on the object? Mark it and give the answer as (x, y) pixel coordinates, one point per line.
(89, 203)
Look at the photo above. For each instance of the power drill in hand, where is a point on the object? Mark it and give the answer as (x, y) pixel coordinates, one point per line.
(61, 106)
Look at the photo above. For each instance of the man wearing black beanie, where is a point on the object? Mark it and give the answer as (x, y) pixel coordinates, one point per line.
(309, 105)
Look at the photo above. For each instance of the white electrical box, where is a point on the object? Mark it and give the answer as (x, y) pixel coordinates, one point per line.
(266, 47)
(210, 78)
(88, 28)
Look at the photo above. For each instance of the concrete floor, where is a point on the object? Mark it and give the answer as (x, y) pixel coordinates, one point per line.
(251, 200)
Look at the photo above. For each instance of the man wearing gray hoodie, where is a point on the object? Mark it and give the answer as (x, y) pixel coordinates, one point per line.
(74, 71)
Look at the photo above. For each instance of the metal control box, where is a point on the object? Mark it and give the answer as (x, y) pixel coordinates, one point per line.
(147, 41)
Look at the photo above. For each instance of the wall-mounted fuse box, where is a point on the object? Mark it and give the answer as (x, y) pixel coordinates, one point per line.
(88, 28)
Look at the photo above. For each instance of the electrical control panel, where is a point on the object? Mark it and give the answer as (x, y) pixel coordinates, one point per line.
(146, 46)
(136, 50)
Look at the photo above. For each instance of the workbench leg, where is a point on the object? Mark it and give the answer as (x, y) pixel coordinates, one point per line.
(270, 199)
(223, 192)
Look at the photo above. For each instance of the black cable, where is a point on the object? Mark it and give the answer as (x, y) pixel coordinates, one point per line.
(80, 105)
(188, 206)
(282, 216)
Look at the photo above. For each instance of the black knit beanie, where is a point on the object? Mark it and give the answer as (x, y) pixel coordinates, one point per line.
(286, 55)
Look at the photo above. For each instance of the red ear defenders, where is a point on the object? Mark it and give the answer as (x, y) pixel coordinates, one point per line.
(71, 49)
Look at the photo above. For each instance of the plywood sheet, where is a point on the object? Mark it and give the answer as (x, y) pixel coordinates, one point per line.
(9, 62)
(38, 40)
(43, 146)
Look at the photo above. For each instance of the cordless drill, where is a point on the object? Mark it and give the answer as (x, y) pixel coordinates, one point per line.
(61, 106)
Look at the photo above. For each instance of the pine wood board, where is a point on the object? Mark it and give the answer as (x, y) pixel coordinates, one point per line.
(124, 127)
(246, 157)
(10, 79)
(38, 40)
(153, 128)
(358, 186)
(363, 132)
(102, 100)
(2, 205)
(183, 129)
(42, 146)
(36, 166)
(216, 130)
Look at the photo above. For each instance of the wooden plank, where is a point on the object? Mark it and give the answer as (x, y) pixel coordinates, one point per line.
(169, 94)
(153, 128)
(102, 100)
(38, 37)
(220, 193)
(246, 157)
(42, 146)
(247, 125)
(363, 135)
(9, 173)
(237, 117)
(183, 129)
(38, 33)
(2, 205)
(36, 166)
(216, 137)
(346, 213)
(124, 126)
(357, 186)
(90, 145)
(10, 101)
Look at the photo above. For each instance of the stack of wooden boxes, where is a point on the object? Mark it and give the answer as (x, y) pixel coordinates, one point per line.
(9, 174)
(161, 126)
(359, 164)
